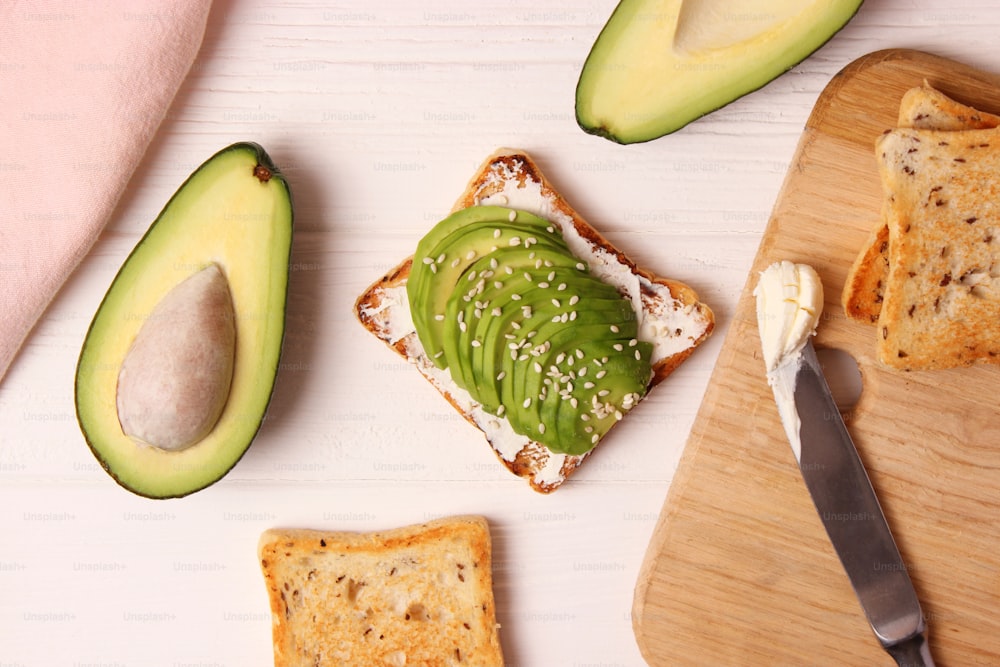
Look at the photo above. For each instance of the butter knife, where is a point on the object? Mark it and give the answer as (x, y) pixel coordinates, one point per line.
(831, 468)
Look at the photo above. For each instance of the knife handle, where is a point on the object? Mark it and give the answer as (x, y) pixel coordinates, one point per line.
(914, 652)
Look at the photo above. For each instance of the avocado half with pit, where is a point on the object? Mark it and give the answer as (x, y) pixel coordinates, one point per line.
(659, 64)
(177, 368)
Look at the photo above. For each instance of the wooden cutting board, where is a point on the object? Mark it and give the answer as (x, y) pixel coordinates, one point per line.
(739, 570)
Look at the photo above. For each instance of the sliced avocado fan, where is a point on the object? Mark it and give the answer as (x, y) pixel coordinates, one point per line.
(500, 301)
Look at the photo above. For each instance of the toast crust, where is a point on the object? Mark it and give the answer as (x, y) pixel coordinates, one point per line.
(415, 595)
(506, 178)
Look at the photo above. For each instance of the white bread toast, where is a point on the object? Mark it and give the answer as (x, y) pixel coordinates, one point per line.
(416, 595)
(921, 107)
(670, 310)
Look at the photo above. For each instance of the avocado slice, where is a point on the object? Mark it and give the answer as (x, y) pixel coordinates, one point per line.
(657, 65)
(444, 255)
(498, 281)
(232, 216)
(586, 414)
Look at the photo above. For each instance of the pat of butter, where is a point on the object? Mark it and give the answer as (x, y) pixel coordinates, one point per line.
(789, 305)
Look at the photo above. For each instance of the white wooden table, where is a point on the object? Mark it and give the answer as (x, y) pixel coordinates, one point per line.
(378, 112)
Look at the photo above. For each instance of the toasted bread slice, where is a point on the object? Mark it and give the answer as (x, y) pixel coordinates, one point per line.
(673, 318)
(942, 296)
(417, 595)
(922, 107)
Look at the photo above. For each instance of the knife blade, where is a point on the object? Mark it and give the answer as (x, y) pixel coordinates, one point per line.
(850, 511)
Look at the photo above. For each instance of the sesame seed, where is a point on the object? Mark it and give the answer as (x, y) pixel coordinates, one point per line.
(541, 428)
(475, 342)
(601, 374)
(501, 409)
(556, 318)
(440, 258)
(512, 216)
(509, 270)
(588, 385)
(428, 260)
(552, 275)
(572, 315)
(462, 327)
(522, 357)
(581, 266)
(561, 358)
(515, 297)
(614, 328)
(433, 268)
(638, 355)
(515, 325)
(564, 318)
(439, 318)
(527, 402)
(496, 312)
(527, 276)
(595, 438)
(584, 416)
(618, 415)
(530, 241)
(514, 240)
(574, 402)
(543, 285)
(555, 302)
(496, 233)
(471, 254)
(538, 263)
(550, 229)
(561, 287)
(618, 347)
(501, 375)
(471, 276)
(538, 367)
(633, 343)
(497, 284)
(573, 300)
(602, 393)
(583, 371)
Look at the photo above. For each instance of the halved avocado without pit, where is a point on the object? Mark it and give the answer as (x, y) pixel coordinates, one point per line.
(659, 64)
(179, 363)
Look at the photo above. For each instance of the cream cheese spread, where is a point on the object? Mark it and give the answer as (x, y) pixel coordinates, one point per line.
(789, 305)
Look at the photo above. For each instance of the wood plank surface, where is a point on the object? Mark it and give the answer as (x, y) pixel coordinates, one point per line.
(739, 569)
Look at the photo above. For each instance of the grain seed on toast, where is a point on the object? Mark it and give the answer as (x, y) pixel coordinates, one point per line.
(671, 314)
(416, 595)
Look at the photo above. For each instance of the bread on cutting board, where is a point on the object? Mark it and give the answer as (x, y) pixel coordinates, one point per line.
(942, 300)
(670, 312)
(415, 595)
(922, 107)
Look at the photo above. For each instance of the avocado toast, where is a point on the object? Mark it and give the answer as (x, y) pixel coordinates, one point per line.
(535, 328)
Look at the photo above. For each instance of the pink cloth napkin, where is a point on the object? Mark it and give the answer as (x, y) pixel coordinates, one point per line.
(83, 88)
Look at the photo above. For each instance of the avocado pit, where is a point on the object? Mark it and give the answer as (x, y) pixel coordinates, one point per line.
(175, 379)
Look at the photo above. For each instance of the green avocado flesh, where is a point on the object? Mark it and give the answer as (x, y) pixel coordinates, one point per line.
(177, 368)
(659, 64)
(521, 323)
